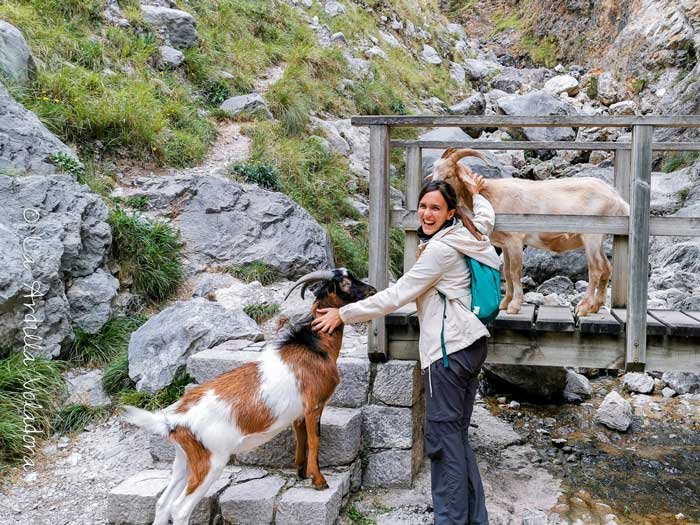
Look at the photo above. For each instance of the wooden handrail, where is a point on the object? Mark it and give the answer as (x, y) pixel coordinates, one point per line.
(548, 121)
(529, 145)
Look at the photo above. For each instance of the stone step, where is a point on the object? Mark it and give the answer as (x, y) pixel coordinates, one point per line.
(353, 371)
(341, 440)
(241, 495)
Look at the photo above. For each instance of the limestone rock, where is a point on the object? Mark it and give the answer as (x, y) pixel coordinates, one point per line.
(577, 384)
(334, 9)
(626, 107)
(536, 103)
(161, 346)
(479, 69)
(562, 84)
(682, 382)
(539, 382)
(90, 300)
(177, 28)
(16, 60)
(614, 412)
(430, 55)
(169, 58)
(248, 103)
(560, 285)
(85, 388)
(638, 382)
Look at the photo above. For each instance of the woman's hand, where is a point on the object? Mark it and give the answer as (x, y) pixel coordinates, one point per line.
(328, 321)
(474, 185)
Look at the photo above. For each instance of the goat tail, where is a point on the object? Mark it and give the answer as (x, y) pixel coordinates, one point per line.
(154, 422)
(456, 155)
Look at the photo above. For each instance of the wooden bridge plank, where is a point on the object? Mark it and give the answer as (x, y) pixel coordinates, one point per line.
(678, 323)
(654, 326)
(519, 321)
(602, 322)
(694, 315)
(554, 319)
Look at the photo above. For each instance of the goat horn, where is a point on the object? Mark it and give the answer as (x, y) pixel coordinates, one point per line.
(318, 275)
(461, 153)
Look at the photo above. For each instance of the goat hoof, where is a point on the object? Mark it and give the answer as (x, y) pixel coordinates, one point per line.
(301, 472)
(322, 486)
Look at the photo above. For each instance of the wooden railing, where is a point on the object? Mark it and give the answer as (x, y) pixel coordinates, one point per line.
(632, 179)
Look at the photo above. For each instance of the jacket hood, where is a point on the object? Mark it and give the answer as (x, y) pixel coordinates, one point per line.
(461, 239)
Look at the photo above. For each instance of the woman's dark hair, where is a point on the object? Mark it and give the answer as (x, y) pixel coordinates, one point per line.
(446, 189)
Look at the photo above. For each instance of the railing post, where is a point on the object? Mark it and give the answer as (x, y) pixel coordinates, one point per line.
(413, 184)
(640, 194)
(621, 242)
(379, 222)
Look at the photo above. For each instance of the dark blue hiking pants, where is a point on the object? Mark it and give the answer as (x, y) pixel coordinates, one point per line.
(458, 495)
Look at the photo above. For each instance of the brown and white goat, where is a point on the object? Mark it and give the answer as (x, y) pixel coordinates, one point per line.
(241, 409)
(572, 196)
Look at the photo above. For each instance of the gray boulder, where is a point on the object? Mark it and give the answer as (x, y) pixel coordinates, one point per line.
(85, 388)
(52, 229)
(475, 104)
(615, 412)
(430, 55)
(541, 265)
(479, 69)
(169, 58)
(16, 60)
(536, 382)
(510, 80)
(682, 382)
(176, 28)
(113, 15)
(333, 8)
(638, 382)
(562, 84)
(25, 143)
(160, 347)
(559, 285)
(90, 300)
(224, 223)
(248, 103)
(537, 103)
(578, 386)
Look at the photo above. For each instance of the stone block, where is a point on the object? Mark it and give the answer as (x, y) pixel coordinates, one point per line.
(341, 439)
(208, 364)
(251, 502)
(308, 505)
(207, 508)
(161, 449)
(133, 502)
(389, 468)
(354, 383)
(397, 383)
(388, 427)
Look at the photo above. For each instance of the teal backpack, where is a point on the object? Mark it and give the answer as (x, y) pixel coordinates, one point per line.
(486, 297)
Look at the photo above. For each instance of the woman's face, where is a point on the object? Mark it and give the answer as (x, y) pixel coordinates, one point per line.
(433, 212)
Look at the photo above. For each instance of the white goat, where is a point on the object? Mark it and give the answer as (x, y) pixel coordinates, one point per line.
(246, 407)
(573, 196)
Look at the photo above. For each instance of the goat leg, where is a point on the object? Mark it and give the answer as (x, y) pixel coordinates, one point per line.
(515, 258)
(313, 421)
(509, 282)
(300, 454)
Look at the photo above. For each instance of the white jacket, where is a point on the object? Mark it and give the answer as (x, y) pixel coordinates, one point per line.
(441, 266)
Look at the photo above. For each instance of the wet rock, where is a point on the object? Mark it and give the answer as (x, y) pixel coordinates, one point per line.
(614, 412)
(560, 285)
(160, 347)
(682, 382)
(638, 382)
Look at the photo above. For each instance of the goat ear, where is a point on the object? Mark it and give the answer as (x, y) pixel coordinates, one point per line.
(448, 152)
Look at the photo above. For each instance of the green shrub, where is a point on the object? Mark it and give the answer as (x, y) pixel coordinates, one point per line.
(255, 271)
(75, 417)
(261, 312)
(357, 518)
(68, 164)
(116, 378)
(592, 89)
(148, 253)
(265, 176)
(100, 348)
(161, 399)
(137, 202)
(32, 389)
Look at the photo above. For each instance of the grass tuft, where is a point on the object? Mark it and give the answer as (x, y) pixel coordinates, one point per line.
(116, 378)
(75, 417)
(265, 176)
(101, 348)
(30, 396)
(148, 254)
(261, 312)
(161, 399)
(677, 161)
(256, 271)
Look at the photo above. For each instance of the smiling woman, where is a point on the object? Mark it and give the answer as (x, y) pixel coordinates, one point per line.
(452, 344)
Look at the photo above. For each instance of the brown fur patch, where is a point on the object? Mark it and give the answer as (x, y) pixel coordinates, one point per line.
(317, 378)
(198, 457)
(240, 388)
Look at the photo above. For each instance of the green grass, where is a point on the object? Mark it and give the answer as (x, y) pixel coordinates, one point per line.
(163, 398)
(357, 518)
(267, 177)
(75, 417)
(136, 202)
(101, 348)
(261, 312)
(115, 377)
(542, 51)
(350, 248)
(592, 89)
(504, 21)
(677, 161)
(147, 253)
(30, 397)
(256, 271)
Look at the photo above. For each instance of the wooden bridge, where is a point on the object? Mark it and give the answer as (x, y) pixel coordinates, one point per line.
(626, 337)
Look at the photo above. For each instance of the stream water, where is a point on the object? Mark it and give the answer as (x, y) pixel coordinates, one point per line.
(649, 475)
